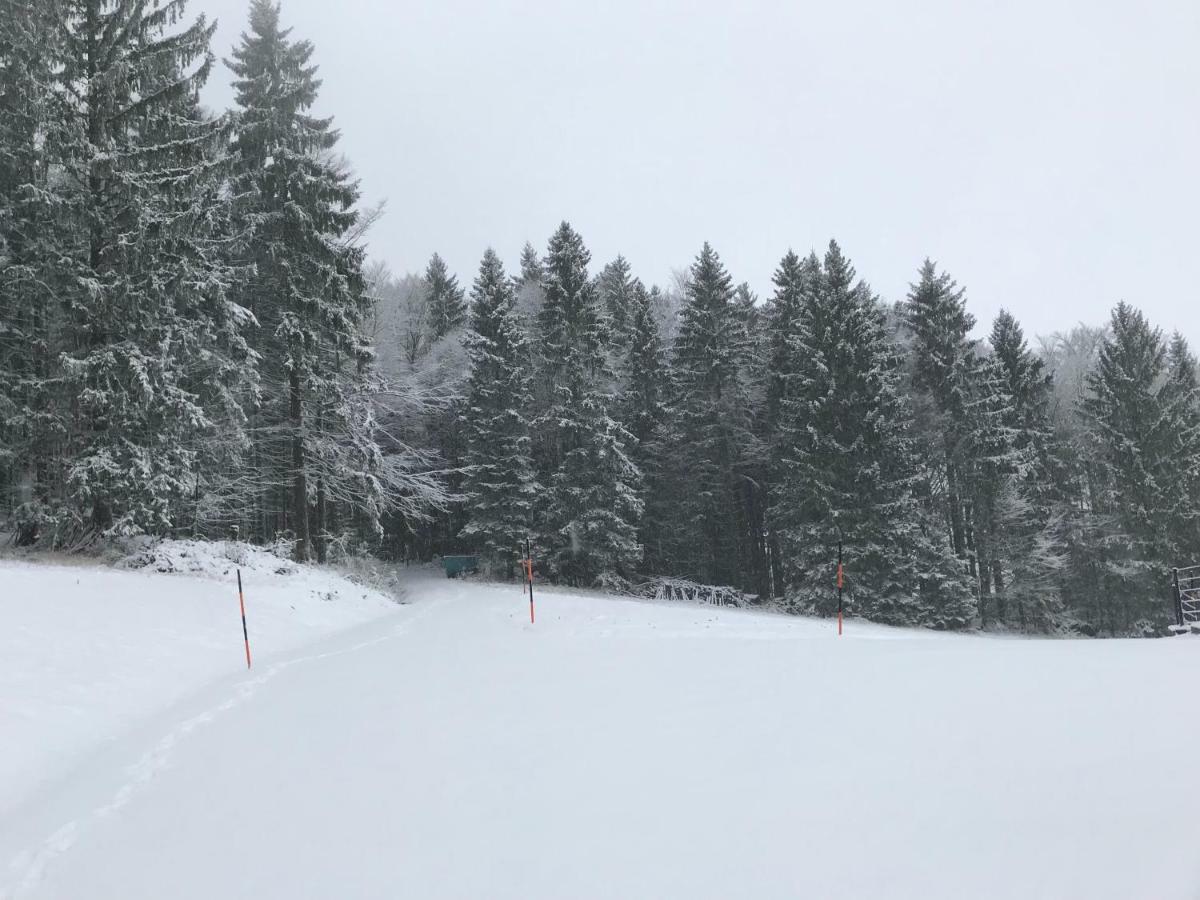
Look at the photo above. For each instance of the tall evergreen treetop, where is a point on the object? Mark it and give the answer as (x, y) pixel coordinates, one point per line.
(848, 467)
(137, 182)
(499, 483)
(645, 373)
(712, 425)
(794, 280)
(1140, 438)
(1181, 364)
(446, 304)
(594, 502)
(711, 338)
(569, 322)
(936, 313)
(615, 285)
(295, 204)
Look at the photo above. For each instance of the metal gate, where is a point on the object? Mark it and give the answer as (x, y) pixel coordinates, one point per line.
(1185, 585)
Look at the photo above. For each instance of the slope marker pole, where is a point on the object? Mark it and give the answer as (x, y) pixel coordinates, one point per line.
(529, 576)
(840, 580)
(242, 604)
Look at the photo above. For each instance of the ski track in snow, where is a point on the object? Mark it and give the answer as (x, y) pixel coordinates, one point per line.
(28, 867)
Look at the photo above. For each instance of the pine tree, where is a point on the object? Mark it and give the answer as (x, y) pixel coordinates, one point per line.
(296, 207)
(795, 281)
(570, 345)
(1181, 407)
(499, 486)
(962, 411)
(1027, 383)
(713, 428)
(615, 289)
(1032, 506)
(447, 308)
(849, 469)
(644, 413)
(32, 419)
(941, 354)
(146, 327)
(1142, 446)
(645, 370)
(528, 285)
(593, 503)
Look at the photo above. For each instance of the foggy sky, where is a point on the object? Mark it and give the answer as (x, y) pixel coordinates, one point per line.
(1046, 154)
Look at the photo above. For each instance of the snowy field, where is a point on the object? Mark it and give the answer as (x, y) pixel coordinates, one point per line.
(446, 748)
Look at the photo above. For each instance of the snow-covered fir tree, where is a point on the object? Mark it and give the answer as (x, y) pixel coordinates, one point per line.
(643, 411)
(528, 285)
(32, 418)
(711, 434)
(615, 287)
(848, 469)
(963, 421)
(500, 488)
(147, 327)
(1181, 400)
(295, 207)
(795, 279)
(1031, 506)
(593, 505)
(1143, 445)
(446, 304)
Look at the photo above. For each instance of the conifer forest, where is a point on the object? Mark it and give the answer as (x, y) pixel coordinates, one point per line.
(195, 341)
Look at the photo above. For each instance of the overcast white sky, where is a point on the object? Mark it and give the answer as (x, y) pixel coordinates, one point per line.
(1047, 154)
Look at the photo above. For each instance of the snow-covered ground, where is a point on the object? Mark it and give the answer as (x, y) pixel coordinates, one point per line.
(87, 651)
(448, 748)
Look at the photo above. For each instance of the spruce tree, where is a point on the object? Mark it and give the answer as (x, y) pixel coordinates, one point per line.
(962, 413)
(147, 328)
(615, 287)
(941, 354)
(1181, 407)
(645, 370)
(570, 345)
(1143, 445)
(1032, 506)
(593, 503)
(848, 469)
(713, 427)
(795, 281)
(296, 209)
(500, 489)
(32, 419)
(644, 413)
(447, 308)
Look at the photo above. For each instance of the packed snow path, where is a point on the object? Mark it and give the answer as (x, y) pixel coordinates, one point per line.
(625, 749)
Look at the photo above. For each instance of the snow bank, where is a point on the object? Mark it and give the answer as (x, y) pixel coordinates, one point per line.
(86, 651)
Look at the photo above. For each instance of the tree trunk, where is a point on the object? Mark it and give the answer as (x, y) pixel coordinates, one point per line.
(777, 587)
(320, 531)
(957, 527)
(299, 480)
(998, 587)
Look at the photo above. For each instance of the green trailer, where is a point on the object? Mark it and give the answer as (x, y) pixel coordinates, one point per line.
(456, 565)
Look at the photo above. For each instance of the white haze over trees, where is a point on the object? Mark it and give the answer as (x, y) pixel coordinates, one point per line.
(1042, 150)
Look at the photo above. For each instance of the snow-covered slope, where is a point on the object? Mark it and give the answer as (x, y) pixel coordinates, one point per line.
(625, 749)
(88, 651)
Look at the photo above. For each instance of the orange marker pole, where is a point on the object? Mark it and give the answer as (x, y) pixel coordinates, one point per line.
(529, 576)
(840, 580)
(242, 604)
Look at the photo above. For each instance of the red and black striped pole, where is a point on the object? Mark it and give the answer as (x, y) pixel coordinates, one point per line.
(840, 581)
(245, 631)
(529, 575)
